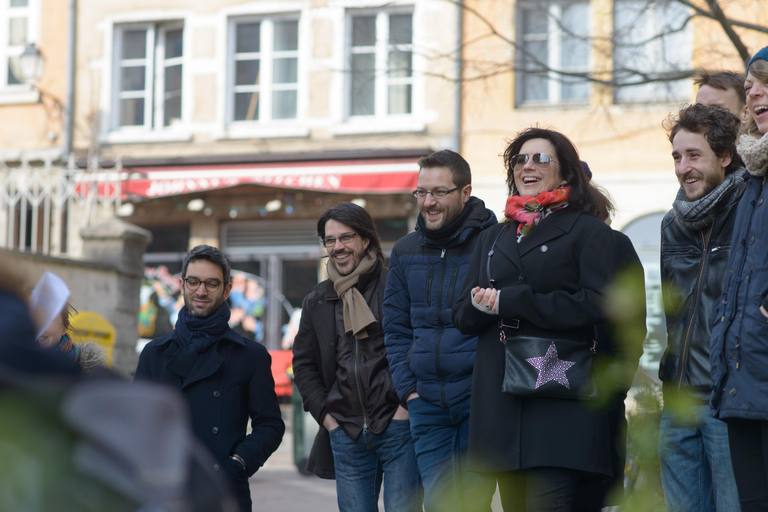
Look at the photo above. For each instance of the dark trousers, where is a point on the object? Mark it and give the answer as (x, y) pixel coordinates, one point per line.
(748, 440)
(539, 489)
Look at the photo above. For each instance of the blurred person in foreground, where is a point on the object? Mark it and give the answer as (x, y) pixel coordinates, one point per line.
(694, 458)
(73, 443)
(430, 360)
(739, 345)
(539, 279)
(225, 377)
(340, 368)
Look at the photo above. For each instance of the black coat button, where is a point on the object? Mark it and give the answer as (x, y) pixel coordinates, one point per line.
(216, 394)
(215, 430)
(215, 467)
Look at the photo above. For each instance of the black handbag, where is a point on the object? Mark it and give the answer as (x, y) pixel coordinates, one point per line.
(536, 366)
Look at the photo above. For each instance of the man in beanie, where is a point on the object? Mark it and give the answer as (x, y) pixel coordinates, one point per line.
(340, 367)
(431, 360)
(695, 462)
(225, 377)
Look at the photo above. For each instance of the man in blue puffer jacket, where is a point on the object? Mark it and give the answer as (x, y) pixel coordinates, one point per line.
(430, 360)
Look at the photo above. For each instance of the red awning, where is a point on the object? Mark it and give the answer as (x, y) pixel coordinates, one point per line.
(394, 176)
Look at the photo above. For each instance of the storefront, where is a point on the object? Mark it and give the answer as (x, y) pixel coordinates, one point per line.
(264, 216)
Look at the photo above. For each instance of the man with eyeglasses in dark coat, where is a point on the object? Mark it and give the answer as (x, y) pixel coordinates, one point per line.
(225, 377)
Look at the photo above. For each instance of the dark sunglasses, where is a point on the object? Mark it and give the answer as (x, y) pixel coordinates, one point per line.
(539, 160)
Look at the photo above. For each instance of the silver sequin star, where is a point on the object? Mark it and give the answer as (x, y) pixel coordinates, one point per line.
(550, 368)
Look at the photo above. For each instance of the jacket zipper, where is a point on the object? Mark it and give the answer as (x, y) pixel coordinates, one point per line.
(683, 353)
(442, 329)
(429, 286)
(357, 381)
(453, 285)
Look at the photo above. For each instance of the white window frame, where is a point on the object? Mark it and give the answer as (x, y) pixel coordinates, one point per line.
(154, 85)
(679, 90)
(266, 87)
(554, 37)
(381, 52)
(17, 93)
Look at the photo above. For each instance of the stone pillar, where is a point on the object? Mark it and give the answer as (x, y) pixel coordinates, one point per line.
(120, 244)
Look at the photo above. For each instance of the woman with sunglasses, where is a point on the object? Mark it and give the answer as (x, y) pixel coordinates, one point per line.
(739, 344)
(540, 273)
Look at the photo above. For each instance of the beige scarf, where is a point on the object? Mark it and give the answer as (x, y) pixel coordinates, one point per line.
(357, 315)
(754, 152)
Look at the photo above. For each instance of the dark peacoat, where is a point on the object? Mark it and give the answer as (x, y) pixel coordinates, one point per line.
(225, 387)
(552, 282)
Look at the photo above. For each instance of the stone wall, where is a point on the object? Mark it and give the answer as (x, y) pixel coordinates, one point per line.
(106, 281)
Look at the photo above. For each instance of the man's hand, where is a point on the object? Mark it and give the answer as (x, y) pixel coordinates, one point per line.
(401, 413)
(412, 396)
(330, 423)
(764, 312)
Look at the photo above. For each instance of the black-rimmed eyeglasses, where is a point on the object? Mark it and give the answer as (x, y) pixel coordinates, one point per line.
(436, 194)
(193, 283)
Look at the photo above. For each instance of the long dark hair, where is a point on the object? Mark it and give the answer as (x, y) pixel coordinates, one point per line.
(358, 219)
(583, 195)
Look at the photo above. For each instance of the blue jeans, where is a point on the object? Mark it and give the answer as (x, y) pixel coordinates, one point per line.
(440, 436)
(695, 461)
(362, 464)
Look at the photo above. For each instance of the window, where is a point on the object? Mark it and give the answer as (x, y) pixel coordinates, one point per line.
(651, 38)
(380, 64)
(553, 38)
(15, 33)
(265, 70)
(148, 76)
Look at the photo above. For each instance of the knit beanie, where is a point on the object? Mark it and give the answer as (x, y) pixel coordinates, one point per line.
(761, 55)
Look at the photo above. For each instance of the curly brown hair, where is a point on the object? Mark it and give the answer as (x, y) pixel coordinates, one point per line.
(718, 126)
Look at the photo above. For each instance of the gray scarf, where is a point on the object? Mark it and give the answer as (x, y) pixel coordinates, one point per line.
(754, 152)
(699, 214)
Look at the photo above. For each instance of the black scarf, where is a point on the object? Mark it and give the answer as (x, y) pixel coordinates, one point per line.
(443, 235)
(699, 214)
(199, 334)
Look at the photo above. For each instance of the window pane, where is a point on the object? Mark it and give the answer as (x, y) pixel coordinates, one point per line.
(575, 89)
(247, 72)
(535, 21)
(134, 44)
(538, 51)
(19, 3)
(12, 78)
(400, 99)
(173, 78)
(286, 71)
(132, 79)
(400, 64)
(363, 30)
(575, 48)
(132, 112)
(284, 104)
(363, 84)
(17, 32)
(286, 36)
(248, 37)
(534, 87)
(400, 29)
(246, 106)
(172, 110)
(174, 41)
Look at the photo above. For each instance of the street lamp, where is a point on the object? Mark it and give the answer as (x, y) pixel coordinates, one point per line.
(31, 64)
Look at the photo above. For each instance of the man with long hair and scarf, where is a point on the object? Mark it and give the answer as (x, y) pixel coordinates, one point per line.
(340, 368)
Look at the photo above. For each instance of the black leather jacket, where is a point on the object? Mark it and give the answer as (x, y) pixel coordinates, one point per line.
(693, 265)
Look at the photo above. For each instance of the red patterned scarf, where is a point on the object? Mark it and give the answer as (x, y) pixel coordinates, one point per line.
(528, 210)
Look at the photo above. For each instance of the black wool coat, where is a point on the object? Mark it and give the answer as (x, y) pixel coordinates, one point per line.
(225, 387)
(552, 282)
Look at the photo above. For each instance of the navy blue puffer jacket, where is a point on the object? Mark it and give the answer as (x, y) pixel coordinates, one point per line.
(426, 353)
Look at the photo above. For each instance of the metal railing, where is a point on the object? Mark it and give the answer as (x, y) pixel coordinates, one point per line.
(44, 204)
